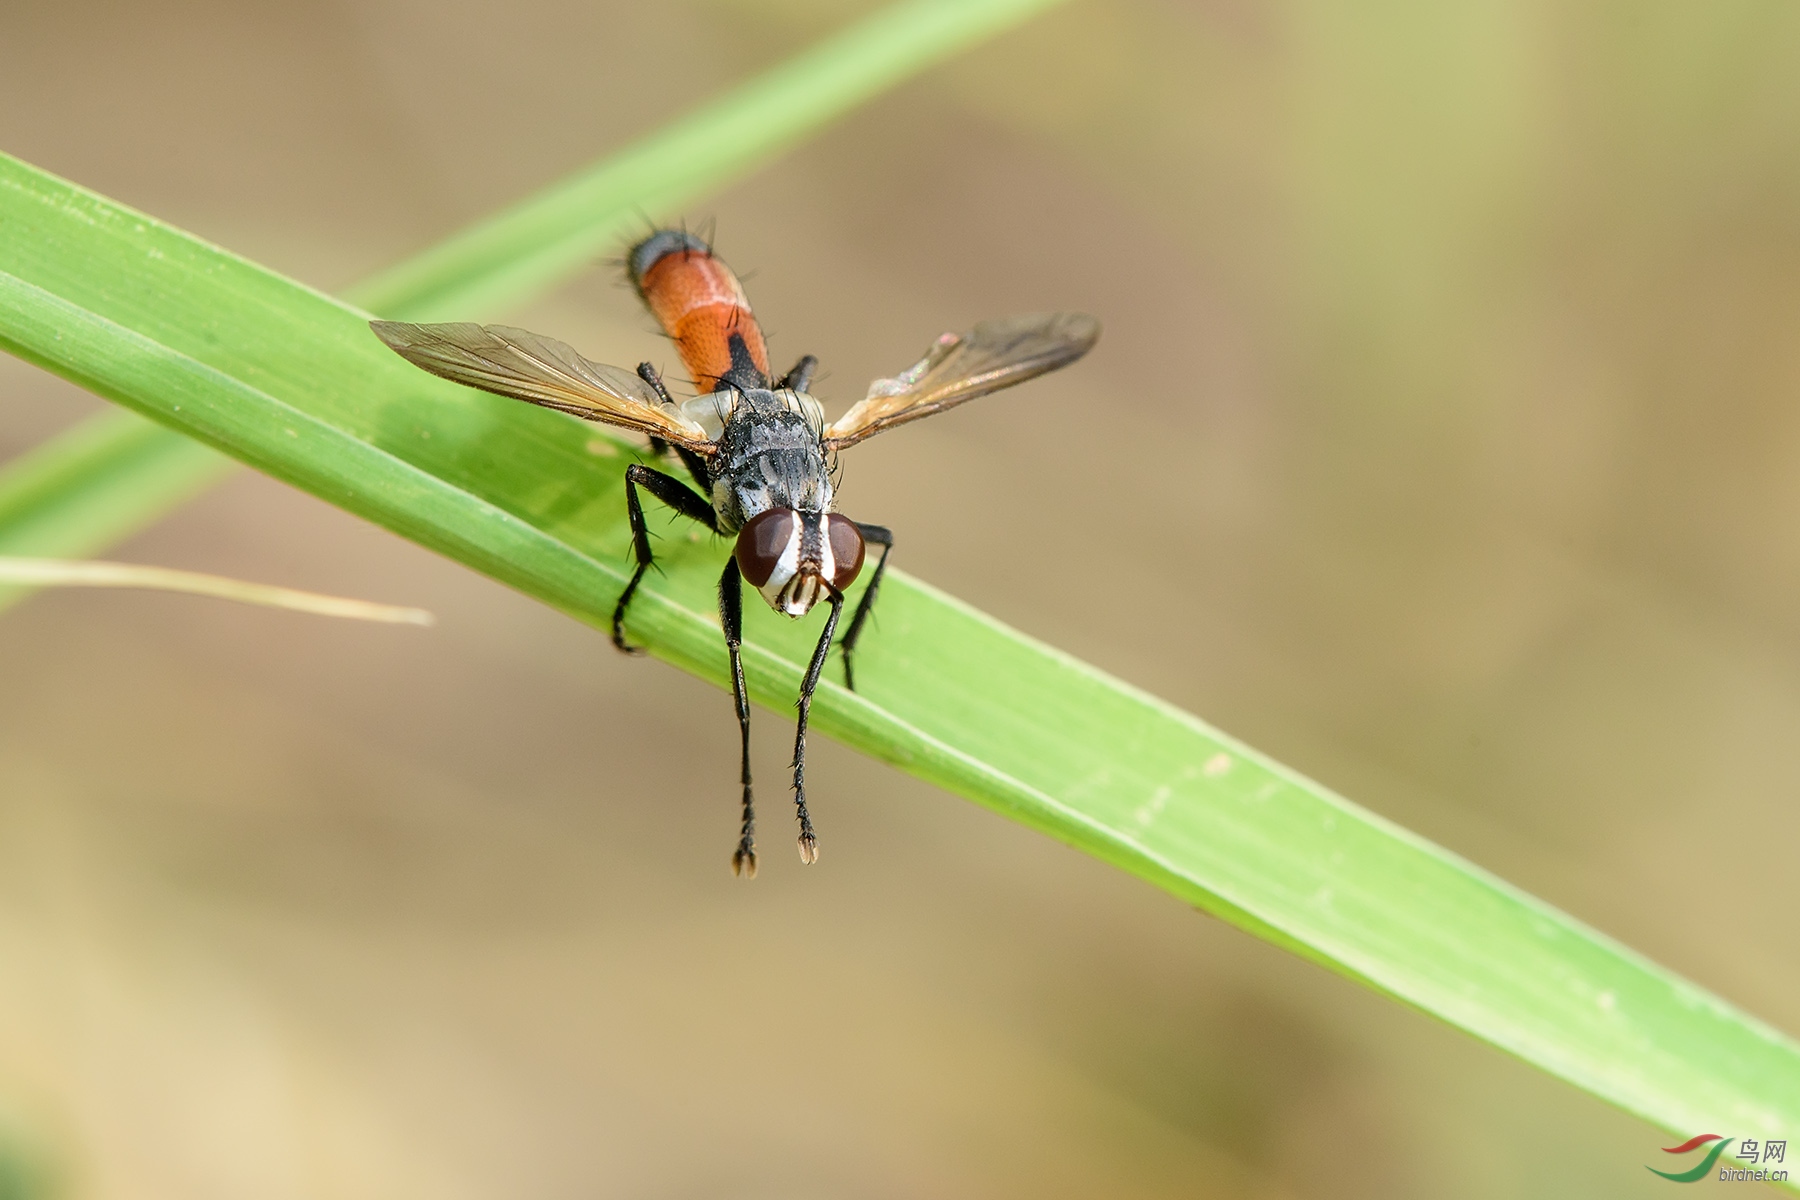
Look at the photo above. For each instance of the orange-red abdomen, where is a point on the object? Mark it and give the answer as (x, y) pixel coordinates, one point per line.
(698, 302)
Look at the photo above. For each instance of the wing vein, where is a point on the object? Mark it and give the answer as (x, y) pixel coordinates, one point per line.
(542, 371)
(958, 368)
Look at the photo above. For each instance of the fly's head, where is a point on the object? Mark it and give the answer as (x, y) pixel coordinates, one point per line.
(796, 558)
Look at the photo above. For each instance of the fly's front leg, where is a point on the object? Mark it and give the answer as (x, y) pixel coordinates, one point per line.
(878, 536)
(731, 619)
(809, 844)
(678, 496)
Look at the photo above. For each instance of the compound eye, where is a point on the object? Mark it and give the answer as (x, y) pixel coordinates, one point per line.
(846, 551)
(762, 542)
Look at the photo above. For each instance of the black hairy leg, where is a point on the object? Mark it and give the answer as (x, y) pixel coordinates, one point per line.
(678, 496)
(800, 378)
(875, 535)
(809, 844)
(731, 619)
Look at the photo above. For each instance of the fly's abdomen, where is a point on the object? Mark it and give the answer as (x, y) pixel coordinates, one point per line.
(698, 302)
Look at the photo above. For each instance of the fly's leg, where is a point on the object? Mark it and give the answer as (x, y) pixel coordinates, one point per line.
(875, 535)
(809, 844)
(800, 378)
(649, 375)
(731, 618)
(695, 464)
(678, 496)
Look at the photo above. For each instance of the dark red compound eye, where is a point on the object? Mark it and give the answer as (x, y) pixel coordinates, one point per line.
(846, 551)
(763, 540)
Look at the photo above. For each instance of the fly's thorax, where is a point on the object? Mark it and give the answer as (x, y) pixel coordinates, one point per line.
(796, 558)
(771, 455)
(714, 410)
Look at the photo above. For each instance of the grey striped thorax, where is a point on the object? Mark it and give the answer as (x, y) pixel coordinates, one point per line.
(771, 453)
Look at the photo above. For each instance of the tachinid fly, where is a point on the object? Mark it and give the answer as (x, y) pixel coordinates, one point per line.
(758, 446)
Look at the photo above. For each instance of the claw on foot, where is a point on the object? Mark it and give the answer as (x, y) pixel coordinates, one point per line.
(743, 863)
(809, 848)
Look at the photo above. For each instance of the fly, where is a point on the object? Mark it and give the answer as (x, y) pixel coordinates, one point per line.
(757, 445)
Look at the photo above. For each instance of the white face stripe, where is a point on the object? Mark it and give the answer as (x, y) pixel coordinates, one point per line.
(785, 567)
(827, 561)
(793, 596)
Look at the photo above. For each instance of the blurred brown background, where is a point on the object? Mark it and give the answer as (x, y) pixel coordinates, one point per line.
(1443, 424)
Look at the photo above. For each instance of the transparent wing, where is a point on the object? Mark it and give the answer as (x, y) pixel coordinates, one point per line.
(959, 367)
(541, 370)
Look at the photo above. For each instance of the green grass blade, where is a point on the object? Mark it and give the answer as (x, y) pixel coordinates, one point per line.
(293, 382)
(98, 484)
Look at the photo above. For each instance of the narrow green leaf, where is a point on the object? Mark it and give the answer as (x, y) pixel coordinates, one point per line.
(105, 480)
(293, 383)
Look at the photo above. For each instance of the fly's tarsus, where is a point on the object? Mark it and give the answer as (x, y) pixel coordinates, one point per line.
(875, 535)
(809, 843)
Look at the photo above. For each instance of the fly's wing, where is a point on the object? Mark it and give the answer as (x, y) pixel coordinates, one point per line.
(541, 370)
(959, 367)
